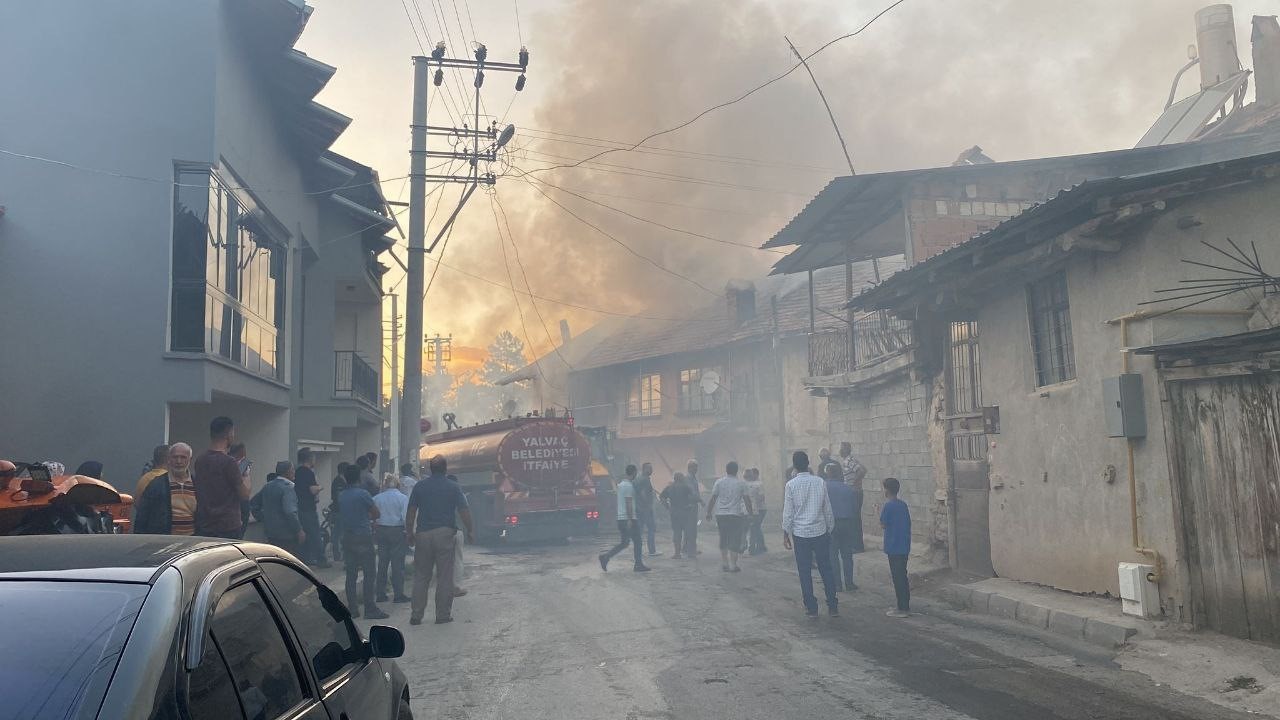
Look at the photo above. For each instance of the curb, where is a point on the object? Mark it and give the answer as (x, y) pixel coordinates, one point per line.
(1092, 630)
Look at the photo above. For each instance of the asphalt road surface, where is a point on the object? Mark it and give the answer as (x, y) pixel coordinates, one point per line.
(545, 634)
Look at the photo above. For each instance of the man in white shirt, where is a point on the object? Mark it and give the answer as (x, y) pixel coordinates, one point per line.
(807, 522)
(389, 535)
(731, 505)
(628, 524)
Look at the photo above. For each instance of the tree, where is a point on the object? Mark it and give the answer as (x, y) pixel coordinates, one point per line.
(506, 355)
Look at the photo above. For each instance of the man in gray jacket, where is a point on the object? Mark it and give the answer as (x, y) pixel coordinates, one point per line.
(279, 512)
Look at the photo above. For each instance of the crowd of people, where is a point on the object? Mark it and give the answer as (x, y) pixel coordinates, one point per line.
(821, 521)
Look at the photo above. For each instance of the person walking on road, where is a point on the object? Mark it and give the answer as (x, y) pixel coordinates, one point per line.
(755, 531)
(358, 512)
(307, 488)
(168, 504)
(844, 510)
(807, 523)
(895, 518)
(436, 505)
(221, 488)
(646, 498)
(681, 501)
(390, 537)
(731, 506)
(279, 510)
(628, 524)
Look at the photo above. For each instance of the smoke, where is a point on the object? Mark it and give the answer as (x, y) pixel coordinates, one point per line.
(1021, 79)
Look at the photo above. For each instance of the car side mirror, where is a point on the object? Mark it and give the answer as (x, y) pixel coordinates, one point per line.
(386, 641)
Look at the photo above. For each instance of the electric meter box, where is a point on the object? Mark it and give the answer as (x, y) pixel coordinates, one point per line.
(1122, 404)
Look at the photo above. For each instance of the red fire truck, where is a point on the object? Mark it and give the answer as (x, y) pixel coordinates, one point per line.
(525, 479)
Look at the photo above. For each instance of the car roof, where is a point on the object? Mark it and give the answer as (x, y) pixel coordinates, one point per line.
(108, 558)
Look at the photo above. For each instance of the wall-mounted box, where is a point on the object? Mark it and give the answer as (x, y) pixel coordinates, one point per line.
(1122, 405)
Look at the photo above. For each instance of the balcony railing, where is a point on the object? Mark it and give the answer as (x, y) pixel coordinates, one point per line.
(355, 378)
(874, 337)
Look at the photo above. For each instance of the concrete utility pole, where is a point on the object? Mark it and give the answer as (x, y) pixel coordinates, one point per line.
(411, 404)
(394, 449)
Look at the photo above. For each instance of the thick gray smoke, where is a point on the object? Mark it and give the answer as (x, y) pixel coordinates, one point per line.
(1019, 78)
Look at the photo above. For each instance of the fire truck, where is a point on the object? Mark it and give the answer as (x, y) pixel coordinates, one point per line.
(526, 479)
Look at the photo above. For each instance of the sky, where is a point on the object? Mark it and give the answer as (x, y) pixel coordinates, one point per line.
(1020, 78)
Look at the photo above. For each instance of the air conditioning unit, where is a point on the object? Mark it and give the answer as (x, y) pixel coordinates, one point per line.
(1139, 596)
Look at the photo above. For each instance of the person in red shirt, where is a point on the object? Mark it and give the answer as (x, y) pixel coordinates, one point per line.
(220, 486)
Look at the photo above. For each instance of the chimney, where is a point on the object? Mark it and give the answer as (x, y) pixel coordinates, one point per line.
(565, 337)
(1216, 41)
(1266, 60)
(741, 297)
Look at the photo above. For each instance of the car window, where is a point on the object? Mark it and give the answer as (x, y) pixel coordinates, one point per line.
(332, 642)
(259, 659)
(62, 641)
(211, 694)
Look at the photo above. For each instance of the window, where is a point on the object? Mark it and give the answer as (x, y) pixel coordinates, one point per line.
(211, 694)
(646, 396)
(964, 390)
(940, 207)
(228, 276)
(1050, 316)
(330, 640)
(693, 399)
(261, 665)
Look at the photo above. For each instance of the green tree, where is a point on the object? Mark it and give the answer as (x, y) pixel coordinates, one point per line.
(506, 355)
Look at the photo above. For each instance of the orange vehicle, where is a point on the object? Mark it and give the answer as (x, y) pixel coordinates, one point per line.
(66, 504)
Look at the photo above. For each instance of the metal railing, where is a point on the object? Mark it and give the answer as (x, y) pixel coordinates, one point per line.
(355, 378)
(874, 336)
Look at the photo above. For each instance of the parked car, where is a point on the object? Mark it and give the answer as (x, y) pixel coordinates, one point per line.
(150, 626)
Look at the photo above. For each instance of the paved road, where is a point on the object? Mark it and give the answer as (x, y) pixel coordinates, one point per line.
(545, 634)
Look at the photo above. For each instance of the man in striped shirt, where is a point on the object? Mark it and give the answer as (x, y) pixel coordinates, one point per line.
(168, 505)
(807, 522)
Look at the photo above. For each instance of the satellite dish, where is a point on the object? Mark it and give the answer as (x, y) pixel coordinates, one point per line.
(710, 382)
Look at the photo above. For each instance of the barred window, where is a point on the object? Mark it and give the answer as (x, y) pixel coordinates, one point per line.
(1050, 315)
(646, 396)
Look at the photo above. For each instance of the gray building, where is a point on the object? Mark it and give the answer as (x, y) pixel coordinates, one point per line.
(174, 246)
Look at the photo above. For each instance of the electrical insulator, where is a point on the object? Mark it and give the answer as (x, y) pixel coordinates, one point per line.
(524, 57)
(479, 78)
(481, 53)
(439, 77)
(438, 52)
(520, 82)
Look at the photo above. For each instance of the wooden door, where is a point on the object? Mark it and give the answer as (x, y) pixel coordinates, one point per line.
(1225, 452)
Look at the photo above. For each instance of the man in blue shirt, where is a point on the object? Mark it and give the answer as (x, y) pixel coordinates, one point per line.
(895, 518)
(844, 509)
(357, 510)
(389, 534)
(431, 529)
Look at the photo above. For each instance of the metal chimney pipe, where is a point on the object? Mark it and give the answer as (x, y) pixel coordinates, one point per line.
(1216, 40)
(1266, 59)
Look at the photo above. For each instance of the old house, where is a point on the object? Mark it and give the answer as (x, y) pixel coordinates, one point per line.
(179, 241)
(1131, 414)
(722, 383)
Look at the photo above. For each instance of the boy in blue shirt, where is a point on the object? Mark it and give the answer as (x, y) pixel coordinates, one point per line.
(895, 518)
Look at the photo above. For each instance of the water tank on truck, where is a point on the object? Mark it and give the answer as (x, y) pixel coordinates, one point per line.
(526, 479)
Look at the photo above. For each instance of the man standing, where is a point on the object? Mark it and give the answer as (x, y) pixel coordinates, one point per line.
(307, 489)
(407, 479)
(367, 479)
(681, 502)
(806, 525)
(844, 510)
(168, 505)
(755, 491)
(628, 524)
(731, 505)
(895, 518)
(431, 529)
(335, 517)
(358, 510)
(691, 537)
(645, 498)
(159, 466)
(220, 486)
(389, 534)
(280, 519)
(853, 470)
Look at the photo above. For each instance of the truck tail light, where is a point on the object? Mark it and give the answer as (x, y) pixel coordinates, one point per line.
(513, 519)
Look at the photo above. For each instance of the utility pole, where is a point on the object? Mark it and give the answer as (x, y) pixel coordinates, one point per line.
(411, 404)
(394, 449)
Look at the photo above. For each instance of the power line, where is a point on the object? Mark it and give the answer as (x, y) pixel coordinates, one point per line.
(498, 200)
(675, 153)
(519, 32)
(658, 175)
(736, 100)
(656, 223)
(519, 309)
(422, 21)
(625, 246)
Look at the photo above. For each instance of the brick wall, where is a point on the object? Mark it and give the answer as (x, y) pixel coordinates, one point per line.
(888, 426)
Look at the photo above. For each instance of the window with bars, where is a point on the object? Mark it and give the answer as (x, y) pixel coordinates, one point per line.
(1050, 316)
(690, 393)
(646, 396)
(964, 391)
